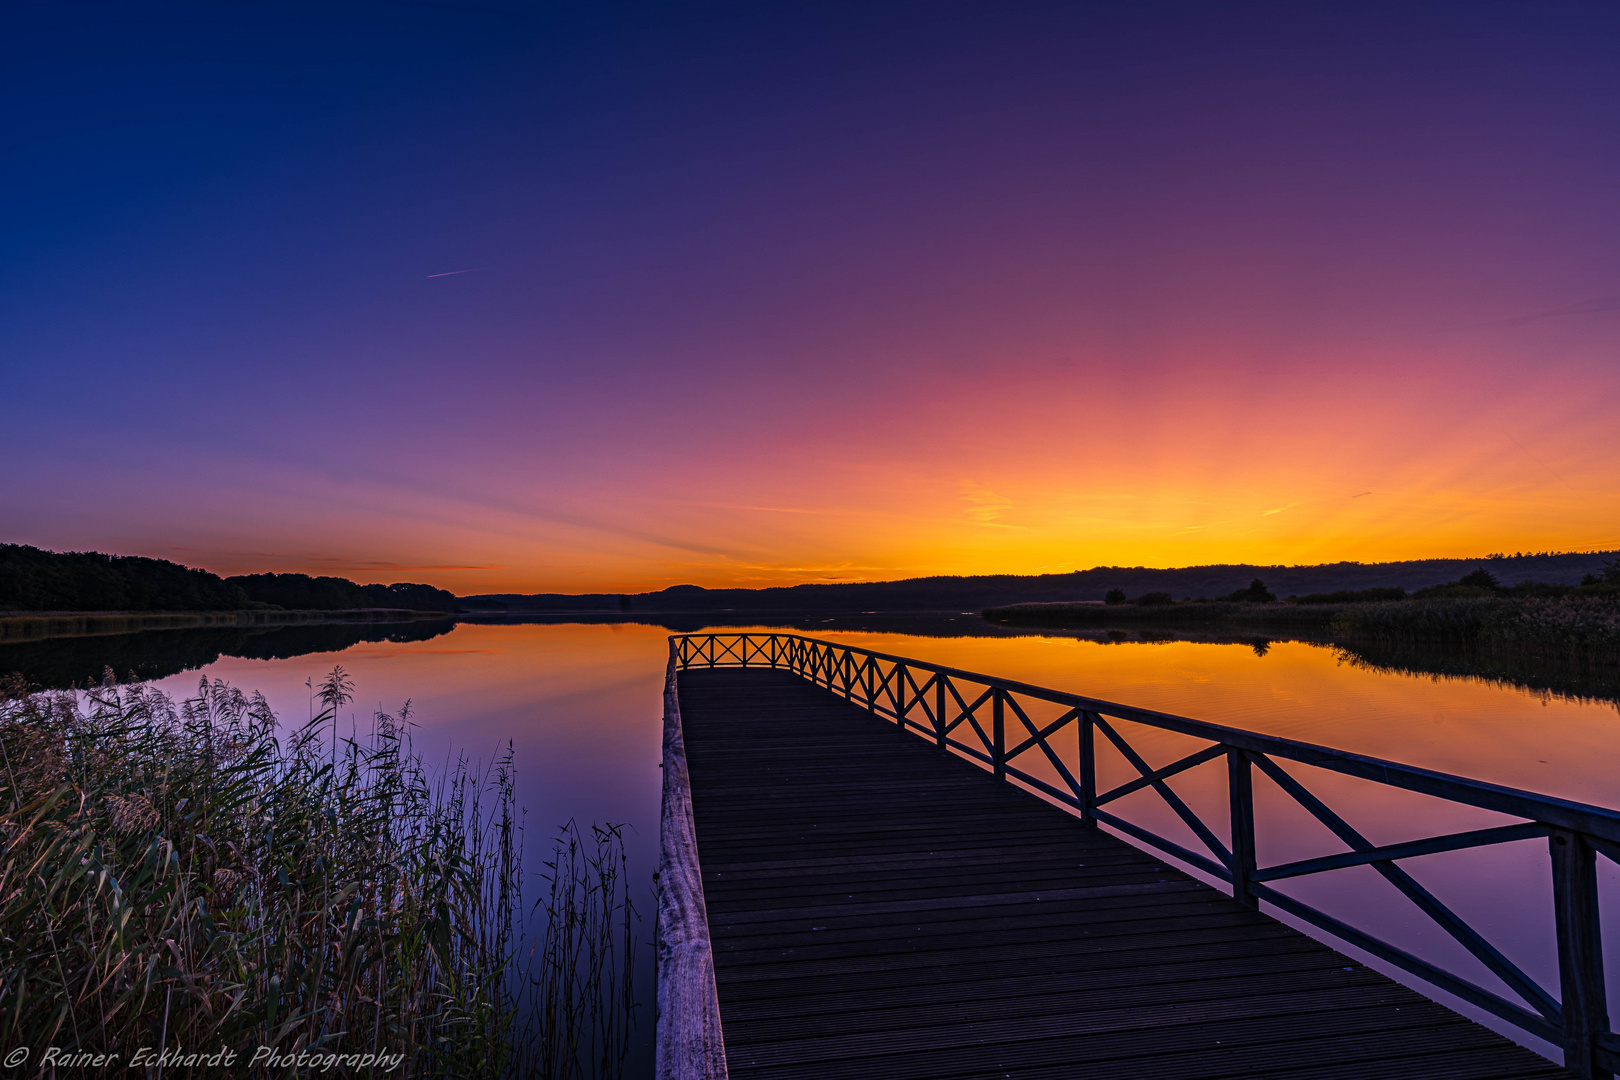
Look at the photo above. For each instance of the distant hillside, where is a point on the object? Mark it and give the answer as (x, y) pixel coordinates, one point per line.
(305, 593)
(36, 580)
(32, 579)
(974, 593)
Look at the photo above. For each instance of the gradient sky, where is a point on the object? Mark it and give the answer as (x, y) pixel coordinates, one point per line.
(567, 297)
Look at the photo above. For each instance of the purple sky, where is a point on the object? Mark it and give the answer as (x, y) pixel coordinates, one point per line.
(771, 293)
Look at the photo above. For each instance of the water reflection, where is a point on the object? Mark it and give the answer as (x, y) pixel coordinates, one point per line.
(67, 661)
(61, 662)
(580, 697)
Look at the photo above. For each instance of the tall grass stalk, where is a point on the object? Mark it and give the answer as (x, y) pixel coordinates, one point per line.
(176, 876)
(584, 979)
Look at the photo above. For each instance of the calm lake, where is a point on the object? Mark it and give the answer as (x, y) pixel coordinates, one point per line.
(580, 702)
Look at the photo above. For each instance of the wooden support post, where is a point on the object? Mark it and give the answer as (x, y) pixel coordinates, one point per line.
(1240, 782)
(998, 717)
(1580, 951)
(939, 711)
(898, 694)
(1088, 767)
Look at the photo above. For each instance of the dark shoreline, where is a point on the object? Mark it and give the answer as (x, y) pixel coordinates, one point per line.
(1582, 620)
(1257, 618)
(17, 626)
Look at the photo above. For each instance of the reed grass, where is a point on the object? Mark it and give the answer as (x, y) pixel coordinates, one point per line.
(1590, 624)
(177, 878)
(1208, 613)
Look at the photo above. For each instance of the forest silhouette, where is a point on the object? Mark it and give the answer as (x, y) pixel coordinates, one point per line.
(32, 579)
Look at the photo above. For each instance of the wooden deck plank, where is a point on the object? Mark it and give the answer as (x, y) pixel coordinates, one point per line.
(879, 910)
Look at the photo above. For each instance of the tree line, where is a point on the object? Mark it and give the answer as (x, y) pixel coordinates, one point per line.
(32, 579)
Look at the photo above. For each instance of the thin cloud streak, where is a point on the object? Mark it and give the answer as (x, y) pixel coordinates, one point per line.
(1588, 307)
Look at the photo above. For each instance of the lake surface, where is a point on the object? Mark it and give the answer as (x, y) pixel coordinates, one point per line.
(580, 703)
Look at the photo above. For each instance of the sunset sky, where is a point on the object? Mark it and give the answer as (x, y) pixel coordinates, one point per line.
(591, 296)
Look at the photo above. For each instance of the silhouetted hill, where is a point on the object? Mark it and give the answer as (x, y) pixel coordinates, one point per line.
(32, 579)
(301, 592)
(36, 580)
(974, 593)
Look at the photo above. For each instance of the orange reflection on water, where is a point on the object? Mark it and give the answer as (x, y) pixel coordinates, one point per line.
(1467, 726)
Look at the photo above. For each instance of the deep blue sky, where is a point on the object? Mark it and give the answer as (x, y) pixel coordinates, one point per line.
(773, 292)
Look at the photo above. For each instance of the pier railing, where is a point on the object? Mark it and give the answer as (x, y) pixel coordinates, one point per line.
(993, 722)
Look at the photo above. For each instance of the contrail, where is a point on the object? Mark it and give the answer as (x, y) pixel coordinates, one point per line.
(1588, 307)
(450, 273)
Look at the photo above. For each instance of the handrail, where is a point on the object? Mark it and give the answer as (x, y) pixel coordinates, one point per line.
(945, 704)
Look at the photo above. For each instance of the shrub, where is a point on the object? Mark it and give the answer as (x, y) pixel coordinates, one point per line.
(1115, 596)
(1256, 593)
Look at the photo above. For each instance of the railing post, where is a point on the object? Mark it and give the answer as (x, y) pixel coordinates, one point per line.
(1088, 767)
(998, 733)
(939, 711)
(1580, 951)
(899, 694)
(1240, 783)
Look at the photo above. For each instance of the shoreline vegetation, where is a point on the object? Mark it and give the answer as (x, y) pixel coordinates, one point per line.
(81, 582)
(178, 876)
(17, 626)
(1530, 625)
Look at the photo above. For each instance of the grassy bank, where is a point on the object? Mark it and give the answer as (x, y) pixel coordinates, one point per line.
(174, 876)
(39, 625)
(1588, 622)
(1293, 617)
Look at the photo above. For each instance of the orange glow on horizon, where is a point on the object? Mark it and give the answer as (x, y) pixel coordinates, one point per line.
(1043, 471)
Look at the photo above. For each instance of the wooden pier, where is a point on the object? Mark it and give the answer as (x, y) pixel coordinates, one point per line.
(878, 909)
